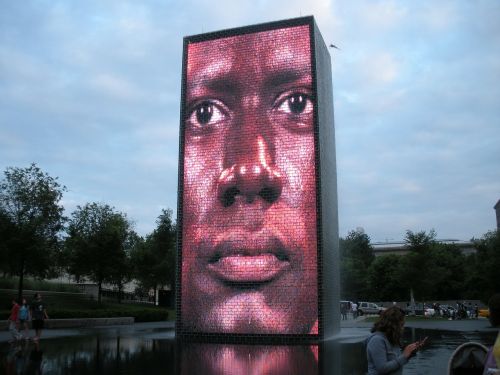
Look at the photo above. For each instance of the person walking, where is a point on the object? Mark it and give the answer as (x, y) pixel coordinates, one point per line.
(343, 311)
(14, 320)
(383, 346)
(24, 318)
(354, 310)
(39, 315)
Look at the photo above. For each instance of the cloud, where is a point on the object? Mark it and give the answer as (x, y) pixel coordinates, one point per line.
(114, 86)
(91, 91)
(382, 14)
(440, 15)
(380, 68)
(408, 186)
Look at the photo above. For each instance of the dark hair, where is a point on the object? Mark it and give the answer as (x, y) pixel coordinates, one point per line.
(494, 306)
(390, 323)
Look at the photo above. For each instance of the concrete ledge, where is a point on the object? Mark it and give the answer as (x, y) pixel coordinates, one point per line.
(79, 323)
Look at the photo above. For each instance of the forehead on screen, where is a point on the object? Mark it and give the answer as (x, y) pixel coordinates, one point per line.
(261, 51)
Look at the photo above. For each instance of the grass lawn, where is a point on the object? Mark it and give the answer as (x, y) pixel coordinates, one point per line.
(61, 305)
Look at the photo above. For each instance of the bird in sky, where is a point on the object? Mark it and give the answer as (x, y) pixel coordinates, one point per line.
(334, 46)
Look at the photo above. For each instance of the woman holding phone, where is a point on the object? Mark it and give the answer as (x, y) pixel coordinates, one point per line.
(383, 346)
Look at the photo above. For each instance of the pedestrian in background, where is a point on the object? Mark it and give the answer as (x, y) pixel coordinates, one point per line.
(343, 311)
(24, 318)
(38, 314)
(354, 310)
(14, 320)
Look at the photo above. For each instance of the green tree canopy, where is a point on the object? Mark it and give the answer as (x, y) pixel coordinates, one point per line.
(356, 255)
(446, 272)
(486, 269)
(384, 279)
(97, 245)
(434, 270)
(154, 258)
(31, 220)
(416, 270)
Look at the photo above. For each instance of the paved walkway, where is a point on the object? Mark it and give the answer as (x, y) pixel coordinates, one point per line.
(163, 329)
(467, 325)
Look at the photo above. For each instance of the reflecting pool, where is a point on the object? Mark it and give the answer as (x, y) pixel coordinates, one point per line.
(152, 350)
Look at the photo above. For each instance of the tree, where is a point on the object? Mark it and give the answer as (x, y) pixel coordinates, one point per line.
(96, 244)
(31, 220)
(356, 255)
(384, 279)
(7, 230)
(446, 272)
(486, 270)
(416, 268)
(474, 281)
(154, 258)
(123, 272)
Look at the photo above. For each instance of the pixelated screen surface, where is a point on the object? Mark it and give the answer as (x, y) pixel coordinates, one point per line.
(249, 217)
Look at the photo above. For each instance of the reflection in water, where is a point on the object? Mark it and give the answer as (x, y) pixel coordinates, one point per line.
(87, 355)
(23, 358)
(122, 353)
(247, 359)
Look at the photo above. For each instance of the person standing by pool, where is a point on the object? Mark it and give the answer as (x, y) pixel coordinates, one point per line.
(24, 317)
(383, 346)
(38, 314)
(13, 320)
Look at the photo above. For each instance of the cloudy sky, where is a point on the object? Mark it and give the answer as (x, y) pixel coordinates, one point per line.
(90, 91)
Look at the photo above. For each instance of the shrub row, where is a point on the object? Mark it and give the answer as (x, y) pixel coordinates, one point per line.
(140, 315)
(153, 314)
(148, 315)
(34, 284)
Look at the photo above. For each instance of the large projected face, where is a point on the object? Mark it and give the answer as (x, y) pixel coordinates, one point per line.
(249, 249)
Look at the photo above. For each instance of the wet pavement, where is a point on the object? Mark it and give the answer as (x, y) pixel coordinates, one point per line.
(133, 329)
(480, 324)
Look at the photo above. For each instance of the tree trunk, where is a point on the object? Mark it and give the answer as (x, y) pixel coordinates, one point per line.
(120, 289)
(99, 291)
(21, 281)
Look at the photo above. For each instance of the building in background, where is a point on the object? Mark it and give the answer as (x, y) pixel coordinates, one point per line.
(497, 210)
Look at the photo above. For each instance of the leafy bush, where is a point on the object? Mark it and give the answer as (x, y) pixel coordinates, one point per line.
(152, 314)
(34, 284)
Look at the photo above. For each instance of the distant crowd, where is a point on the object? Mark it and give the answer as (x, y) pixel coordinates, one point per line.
(459, 310)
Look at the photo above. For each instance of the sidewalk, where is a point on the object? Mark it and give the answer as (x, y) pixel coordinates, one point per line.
(164, 328)
(78, 322)
(466, 325)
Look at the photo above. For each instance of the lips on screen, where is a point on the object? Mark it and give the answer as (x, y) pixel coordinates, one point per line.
(249, 241)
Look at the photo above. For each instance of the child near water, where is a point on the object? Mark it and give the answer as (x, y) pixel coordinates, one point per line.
(24, 317)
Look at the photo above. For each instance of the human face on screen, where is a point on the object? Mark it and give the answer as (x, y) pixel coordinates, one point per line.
(249, 258)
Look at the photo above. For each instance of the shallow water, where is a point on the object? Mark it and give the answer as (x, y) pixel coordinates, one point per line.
(122, 351)
(434, 358)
